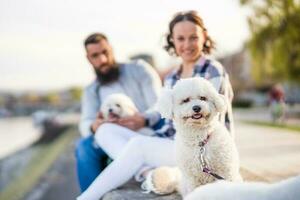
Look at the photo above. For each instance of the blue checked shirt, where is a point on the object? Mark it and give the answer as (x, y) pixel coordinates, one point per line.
(216, 74)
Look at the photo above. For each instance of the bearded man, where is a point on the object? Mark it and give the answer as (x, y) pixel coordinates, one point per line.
(138, 80)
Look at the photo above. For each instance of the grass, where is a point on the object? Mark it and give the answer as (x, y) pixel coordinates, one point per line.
(274, 125)
(45, 156)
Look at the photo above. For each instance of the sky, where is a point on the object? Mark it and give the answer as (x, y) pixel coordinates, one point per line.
(41, 42)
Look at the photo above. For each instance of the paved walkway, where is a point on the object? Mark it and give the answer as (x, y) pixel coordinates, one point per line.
(60, 182)
(269, 152)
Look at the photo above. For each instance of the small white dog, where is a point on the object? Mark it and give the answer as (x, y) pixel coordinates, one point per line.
(119, 105)
(223, 190)
(202, 142)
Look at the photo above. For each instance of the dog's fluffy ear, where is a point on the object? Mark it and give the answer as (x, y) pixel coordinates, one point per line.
(220, 103)
(164, 104)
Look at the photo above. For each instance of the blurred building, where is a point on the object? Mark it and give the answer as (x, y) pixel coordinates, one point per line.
(238, 66)
(28, 102)
(144, 56)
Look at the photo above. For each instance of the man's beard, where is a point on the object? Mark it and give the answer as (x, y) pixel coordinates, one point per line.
(110, 76)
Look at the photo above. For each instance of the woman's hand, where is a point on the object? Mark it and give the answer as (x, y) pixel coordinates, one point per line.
(134, 122)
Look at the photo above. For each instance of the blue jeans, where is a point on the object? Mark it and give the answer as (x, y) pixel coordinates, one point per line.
(90, 161)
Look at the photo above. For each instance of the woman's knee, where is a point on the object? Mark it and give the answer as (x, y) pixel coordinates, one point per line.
(137, 143)
(106, 129)
(109, 132)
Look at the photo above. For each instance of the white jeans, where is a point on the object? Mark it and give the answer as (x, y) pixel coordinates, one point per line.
(131, 151)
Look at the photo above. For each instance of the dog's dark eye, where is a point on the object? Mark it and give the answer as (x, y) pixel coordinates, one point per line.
(203, 98)
(118, 105)
(185, 100)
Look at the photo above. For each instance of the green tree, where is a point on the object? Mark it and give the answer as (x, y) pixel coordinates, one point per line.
(275, 40)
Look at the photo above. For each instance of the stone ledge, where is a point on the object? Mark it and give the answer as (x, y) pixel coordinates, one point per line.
(132, 191)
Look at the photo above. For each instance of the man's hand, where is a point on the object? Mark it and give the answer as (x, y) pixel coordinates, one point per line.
(99, 121)
(134, 122)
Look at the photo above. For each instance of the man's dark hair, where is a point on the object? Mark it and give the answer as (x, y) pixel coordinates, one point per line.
(113, 73)
(94, 39)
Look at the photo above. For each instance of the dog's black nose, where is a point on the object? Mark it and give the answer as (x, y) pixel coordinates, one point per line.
(196, 109)
(110, 110)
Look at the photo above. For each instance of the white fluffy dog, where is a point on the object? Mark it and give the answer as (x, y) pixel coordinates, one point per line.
(223, 190)
(202, 142)
(119, 105)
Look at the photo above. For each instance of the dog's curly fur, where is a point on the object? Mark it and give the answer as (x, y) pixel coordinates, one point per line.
(288, 189)
(119, 105)
(193, 104)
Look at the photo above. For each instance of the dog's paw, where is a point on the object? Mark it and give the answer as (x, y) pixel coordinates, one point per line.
(162, 180)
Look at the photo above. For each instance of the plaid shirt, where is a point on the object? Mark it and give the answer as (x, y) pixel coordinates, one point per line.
(216, 74)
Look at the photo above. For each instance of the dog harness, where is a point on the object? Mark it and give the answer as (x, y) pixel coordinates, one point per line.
(203, 163)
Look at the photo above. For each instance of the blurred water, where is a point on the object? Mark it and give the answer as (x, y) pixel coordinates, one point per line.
(15, 134)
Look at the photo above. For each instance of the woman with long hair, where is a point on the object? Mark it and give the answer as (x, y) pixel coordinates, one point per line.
(187, 38)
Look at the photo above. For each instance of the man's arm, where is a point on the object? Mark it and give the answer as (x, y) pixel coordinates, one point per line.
(151, 86)
(89, 110)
